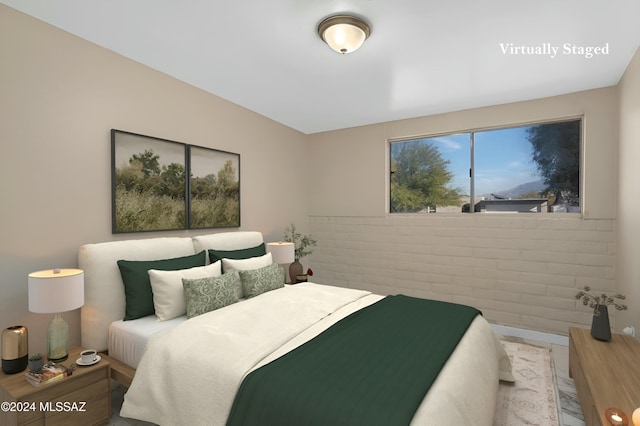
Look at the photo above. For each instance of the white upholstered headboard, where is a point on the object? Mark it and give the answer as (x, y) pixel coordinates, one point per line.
(104, 300)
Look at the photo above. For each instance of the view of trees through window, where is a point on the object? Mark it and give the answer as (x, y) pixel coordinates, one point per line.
(533, 168)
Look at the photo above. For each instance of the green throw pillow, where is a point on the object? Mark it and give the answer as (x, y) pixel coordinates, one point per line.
(208, 294)
(261, 280)
(215, 255)
(137, 287)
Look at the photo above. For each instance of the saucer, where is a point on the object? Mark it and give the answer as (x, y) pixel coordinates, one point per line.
(85, 364)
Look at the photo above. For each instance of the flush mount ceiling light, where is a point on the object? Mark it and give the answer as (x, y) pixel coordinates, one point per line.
(343, 33)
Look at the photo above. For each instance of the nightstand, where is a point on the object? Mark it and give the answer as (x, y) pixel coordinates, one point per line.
(84, 398)
(606, 374)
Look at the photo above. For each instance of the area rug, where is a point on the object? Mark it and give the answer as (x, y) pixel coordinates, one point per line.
(531, 400)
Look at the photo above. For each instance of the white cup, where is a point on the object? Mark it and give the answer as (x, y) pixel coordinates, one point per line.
(88, 356)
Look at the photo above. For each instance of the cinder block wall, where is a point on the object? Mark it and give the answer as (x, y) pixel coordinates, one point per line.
(520, 270)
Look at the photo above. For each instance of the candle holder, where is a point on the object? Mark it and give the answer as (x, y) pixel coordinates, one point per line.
(616, 417)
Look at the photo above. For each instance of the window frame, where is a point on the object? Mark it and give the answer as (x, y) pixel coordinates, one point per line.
(471, 131)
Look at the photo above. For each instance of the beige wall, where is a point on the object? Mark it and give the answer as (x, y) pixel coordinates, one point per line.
(628, 266)
(59, 97)
(520, 271)
(355, 183)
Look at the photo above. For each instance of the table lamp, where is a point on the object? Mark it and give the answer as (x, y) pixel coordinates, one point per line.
(53, 291)
(282, 253)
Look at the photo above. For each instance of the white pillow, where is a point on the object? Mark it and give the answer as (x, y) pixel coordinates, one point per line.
(249, 264)
(168, 293)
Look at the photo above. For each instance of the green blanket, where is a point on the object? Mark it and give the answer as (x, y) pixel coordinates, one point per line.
(374, 367)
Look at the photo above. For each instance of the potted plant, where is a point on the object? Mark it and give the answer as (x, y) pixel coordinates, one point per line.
(600, 328)
(36, 362)
(302, 244)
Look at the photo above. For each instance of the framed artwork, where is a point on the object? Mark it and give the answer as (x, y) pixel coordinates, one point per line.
(161, 185)
(214, 188)
(149, 183)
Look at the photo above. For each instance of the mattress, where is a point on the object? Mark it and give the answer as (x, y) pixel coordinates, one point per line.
(128, 339)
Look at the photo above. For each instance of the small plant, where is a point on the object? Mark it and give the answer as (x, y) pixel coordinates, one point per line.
(301, 242)
(593, 301)
(36, 362)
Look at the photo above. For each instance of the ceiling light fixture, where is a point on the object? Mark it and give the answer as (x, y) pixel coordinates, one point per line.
(343, 33)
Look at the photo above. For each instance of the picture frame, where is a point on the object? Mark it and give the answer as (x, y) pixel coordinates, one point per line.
(163, 185)
(213, 188)
(149, 184)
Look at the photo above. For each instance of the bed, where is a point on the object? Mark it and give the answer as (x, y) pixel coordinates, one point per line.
(189, 371)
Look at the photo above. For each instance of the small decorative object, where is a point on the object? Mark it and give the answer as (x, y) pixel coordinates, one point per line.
(636, 417)
(52, 292)
(88, 356)
(600, 327)
(616, 417)
(302, 278)
(15, 349)
(309, 272)
(49, 373)
(295, 269)
(36, 362)
(302, 244)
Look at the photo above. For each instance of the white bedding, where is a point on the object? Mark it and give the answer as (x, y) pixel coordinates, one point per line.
(128, 339)
(190, 373)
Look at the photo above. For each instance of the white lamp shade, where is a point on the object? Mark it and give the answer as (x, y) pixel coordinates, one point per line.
(282, 252)
(56, 290)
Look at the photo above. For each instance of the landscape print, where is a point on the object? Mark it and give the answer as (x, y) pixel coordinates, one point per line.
(151, 191)
(149, 183)
(214, 182)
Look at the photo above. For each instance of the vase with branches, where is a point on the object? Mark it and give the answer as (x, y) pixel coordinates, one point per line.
(303, 247)
(600, 327)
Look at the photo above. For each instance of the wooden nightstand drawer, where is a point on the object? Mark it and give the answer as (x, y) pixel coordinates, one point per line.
(84, 398)
(85, 406)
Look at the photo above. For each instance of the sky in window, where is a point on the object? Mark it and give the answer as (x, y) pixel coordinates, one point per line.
(503, 159)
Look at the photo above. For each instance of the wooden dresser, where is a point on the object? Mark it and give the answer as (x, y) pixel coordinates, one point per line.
(606, 374)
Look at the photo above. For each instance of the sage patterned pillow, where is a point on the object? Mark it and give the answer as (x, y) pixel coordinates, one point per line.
(261, 280)
(208, 294)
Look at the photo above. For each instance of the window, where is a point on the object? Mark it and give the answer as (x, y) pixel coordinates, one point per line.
(533, 168)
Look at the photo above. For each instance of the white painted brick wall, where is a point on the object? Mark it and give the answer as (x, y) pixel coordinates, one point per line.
(521, 271)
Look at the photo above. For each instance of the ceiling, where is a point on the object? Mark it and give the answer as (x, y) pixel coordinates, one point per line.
(423, 57)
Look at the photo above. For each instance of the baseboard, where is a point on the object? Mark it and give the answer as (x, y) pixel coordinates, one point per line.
(530, 334)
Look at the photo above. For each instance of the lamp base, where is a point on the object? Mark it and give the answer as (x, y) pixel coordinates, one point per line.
(58, 360)
(58, 339)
